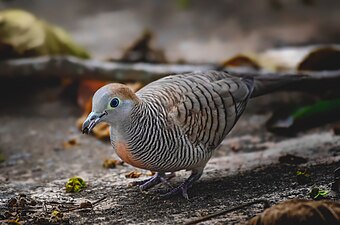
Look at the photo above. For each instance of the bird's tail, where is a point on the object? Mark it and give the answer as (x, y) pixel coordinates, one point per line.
(267, 84)
(264, 83)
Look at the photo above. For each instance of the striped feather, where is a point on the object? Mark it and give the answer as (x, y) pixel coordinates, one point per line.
(183, 118)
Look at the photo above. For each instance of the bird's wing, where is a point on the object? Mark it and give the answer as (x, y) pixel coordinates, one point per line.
(204, 105)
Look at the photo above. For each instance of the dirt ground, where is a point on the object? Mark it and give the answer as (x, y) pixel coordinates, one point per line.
(35, 126)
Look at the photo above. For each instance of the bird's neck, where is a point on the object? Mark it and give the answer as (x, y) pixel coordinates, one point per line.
(133, 127)
(133, 135)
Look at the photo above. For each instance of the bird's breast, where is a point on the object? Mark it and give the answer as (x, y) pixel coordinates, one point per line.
(123, 151)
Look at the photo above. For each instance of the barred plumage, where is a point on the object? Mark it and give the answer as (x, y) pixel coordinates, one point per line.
(183, 118)
(176, 122)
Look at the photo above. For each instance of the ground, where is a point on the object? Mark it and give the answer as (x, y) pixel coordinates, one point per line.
(37, 163)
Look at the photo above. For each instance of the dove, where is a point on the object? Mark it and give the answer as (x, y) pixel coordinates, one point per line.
(172, 124)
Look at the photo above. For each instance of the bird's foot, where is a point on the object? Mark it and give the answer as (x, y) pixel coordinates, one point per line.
(183, 189)
(154, 180)
(140, 182)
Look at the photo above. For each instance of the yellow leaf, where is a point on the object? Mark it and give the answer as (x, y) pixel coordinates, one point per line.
(24, 35)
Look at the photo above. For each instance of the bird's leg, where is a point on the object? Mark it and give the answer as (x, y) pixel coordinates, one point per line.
(183, 188)
(159, 177)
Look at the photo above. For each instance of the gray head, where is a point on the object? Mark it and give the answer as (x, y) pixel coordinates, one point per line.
(111, 103)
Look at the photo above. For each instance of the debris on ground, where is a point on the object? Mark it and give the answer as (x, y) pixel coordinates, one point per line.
(75, 184)
(24, 209)
(133, 174)
(303, 176)
(299, 212)
(70, 143)
(112, 163)
(316, 193)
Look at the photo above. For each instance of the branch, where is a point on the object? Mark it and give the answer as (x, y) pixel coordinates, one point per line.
(71, 67)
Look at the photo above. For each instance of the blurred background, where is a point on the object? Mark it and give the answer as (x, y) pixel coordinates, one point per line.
(196, 31)
(55, 54)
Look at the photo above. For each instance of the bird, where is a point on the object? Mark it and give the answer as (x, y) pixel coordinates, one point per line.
(172, 124)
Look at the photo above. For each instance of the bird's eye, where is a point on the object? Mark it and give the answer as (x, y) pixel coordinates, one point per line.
(114, 102)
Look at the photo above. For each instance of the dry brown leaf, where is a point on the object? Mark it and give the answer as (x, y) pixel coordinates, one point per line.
(24, 35)
(235, 146)
(86, 90)
(141, 51)
(241, 60)
(150, 173)
(112, 163)
(133, 174)
(70, 143)
(102, 131)
(310, 58)
(322, 58)
(300, 212)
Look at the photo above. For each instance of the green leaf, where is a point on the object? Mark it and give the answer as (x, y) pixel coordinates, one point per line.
(317, 193)
(317, 108)
(291, 120)
(75, 184)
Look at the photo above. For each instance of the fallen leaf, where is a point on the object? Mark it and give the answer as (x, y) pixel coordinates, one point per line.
(86, 90)
(299, 212)
(85, 205)
(235, 146)
(241, 60)
(141, 51)
(317, 193)
(12, 222)
(112, 163)
(310, 58)
(321, 58)
(75, 184)
(24, 35)
(303, 176)
(133, 174)
(150, 173)
(70, 143)
(304, 117)
(57, 215)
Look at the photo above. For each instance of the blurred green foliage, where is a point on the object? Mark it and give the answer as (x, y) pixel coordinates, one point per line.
(294, 119)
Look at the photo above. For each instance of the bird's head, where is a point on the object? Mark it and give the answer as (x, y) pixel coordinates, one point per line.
(112, 104)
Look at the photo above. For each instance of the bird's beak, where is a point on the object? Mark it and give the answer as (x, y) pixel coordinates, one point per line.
(91, 121)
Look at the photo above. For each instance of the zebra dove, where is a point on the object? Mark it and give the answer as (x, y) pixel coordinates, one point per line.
(172, 124)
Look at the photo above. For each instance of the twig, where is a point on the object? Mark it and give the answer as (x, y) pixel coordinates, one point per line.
(71, 67)
(265, 203)
(87, 206)
(99, 200)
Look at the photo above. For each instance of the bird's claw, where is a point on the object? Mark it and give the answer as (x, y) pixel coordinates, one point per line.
(183, 189)
(140, 182)
(154, 180)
